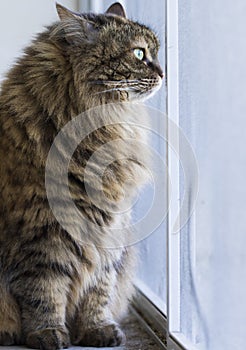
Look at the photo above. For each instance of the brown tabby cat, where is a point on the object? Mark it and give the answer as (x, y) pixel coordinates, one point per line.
(55, 290)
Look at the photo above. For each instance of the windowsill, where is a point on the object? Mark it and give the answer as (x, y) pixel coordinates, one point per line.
(137, 338)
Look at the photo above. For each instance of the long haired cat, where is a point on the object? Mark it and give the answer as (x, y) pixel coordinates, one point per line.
(57, 289)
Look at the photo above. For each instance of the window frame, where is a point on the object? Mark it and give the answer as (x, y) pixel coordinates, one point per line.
(176, 340)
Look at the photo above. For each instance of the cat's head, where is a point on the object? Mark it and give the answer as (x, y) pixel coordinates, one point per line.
(115, 57)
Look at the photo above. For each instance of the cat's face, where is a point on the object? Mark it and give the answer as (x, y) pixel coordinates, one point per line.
(116, 57)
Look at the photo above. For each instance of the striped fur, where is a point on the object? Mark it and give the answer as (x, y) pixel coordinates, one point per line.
(54, 289)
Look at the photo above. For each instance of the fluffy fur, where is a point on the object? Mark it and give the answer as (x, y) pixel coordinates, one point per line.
(54, 288)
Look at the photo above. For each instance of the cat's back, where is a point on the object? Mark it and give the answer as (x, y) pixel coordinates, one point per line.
(21, 174)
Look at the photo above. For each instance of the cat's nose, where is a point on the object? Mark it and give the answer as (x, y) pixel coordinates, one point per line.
(156, 66)
(159, 71)
(161, 74)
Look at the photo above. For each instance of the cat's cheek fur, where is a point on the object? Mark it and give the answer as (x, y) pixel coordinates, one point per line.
(152, 92)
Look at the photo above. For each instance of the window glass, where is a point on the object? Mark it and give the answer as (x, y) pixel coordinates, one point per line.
(212, 104)
(152, 267)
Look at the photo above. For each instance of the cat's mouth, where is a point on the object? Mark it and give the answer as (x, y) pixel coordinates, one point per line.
(149, 89)
(134, 89)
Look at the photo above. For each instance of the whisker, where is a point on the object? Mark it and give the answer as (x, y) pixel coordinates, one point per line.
(140, 86)
(102, 81)
(148, 79)
(112, 82)
(123, 84)
(116, 89)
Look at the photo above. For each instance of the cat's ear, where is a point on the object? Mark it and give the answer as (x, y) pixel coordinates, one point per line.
(64, 13)
(116, 9)
(74, 25)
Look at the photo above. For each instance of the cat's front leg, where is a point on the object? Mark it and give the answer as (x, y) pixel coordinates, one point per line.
(10, 321)
(42, 299)
(94, 324)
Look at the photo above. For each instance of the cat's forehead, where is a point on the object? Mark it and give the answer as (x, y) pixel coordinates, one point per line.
(145, 36)
(139, 34)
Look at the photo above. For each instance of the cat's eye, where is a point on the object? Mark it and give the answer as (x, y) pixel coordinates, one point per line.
(139, 53)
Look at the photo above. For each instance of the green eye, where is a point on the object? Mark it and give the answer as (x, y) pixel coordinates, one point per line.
(139, 53)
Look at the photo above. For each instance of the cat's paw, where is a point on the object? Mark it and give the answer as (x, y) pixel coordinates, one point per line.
(103, 336)
(10, 327)
(8, 338)
(49, 339)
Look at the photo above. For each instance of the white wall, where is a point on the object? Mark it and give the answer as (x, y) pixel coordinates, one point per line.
(20, 21)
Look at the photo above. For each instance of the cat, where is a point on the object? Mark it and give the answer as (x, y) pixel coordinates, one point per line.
(56, 290)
